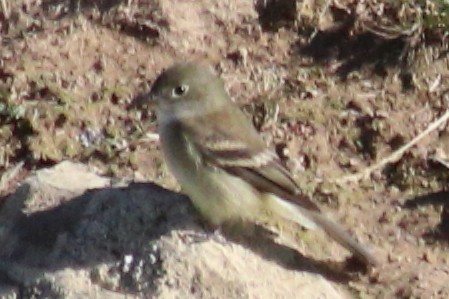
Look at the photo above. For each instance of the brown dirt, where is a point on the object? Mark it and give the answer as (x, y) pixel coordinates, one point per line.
(334, 86)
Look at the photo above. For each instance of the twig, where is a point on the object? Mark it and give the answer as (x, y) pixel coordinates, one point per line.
(395, 156)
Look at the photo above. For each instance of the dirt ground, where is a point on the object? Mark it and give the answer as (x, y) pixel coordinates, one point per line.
(334, 86)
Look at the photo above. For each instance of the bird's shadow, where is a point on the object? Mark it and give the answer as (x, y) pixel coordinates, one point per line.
(262, 241)
(104, 225)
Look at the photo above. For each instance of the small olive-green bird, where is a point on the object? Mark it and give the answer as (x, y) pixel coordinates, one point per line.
(220, 160)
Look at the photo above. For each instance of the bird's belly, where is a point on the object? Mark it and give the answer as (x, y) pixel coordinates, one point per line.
(219, 196)
(222, 198)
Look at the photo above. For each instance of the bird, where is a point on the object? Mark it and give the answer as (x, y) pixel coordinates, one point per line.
(222, 163)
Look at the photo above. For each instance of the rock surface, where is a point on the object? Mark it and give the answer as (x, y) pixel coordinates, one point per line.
(68, 233)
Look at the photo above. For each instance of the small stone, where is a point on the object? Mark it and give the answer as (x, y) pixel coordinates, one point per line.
(429, 257)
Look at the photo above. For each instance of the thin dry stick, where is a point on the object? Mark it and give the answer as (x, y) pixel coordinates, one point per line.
(395, 156)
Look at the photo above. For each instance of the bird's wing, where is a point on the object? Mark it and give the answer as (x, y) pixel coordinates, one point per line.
(237, 148)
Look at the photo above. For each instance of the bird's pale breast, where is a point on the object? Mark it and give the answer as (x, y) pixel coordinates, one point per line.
(219, 196)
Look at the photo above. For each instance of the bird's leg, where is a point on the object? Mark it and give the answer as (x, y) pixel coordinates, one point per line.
(210, 232)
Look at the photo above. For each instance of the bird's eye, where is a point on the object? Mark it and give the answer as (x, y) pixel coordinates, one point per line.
(180, 90)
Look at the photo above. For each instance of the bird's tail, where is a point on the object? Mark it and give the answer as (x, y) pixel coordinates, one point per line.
(311, 219)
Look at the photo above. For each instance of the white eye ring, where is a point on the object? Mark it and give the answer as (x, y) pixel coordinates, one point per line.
(180, 90)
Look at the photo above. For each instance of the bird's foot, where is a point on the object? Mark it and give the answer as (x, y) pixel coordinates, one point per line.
(204, 236)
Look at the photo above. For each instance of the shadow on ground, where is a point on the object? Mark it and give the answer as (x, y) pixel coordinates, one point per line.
(76, 6)
(144, 24)
(441, 231)
(352, 45)
(275, 14)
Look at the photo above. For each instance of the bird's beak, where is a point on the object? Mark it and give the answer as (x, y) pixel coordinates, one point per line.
(145, 100)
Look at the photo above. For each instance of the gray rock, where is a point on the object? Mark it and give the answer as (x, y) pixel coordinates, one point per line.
(68, 233)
